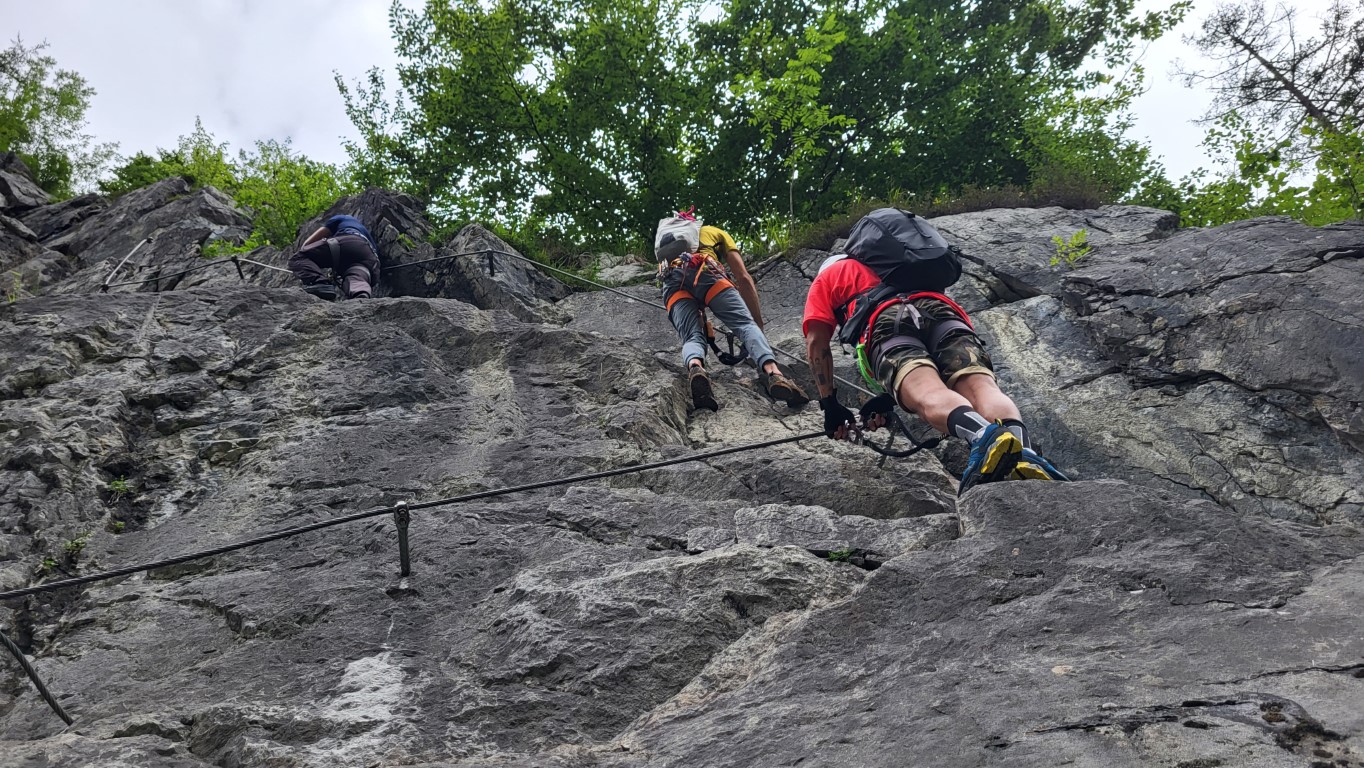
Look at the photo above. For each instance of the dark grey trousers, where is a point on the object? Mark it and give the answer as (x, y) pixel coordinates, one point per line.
(349, 256)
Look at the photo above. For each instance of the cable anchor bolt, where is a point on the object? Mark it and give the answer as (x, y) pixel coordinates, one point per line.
(401, 517)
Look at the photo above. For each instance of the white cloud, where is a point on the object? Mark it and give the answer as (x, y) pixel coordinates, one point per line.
(1166, 113)
(256, 69)
(252, 70)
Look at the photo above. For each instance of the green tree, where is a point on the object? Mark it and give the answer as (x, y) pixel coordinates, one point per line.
(284, 189)
(198, 156)
(139, 171)
(1269, 73)
(1077, 151)
(595, 116)
(787, 108)
(379, 158)
(1288, 107)
(42, 118)
(1316, 182)
(281, 188)
(1337, 192)
(572, 112)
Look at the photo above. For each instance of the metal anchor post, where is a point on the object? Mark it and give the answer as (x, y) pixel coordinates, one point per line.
(402, 516)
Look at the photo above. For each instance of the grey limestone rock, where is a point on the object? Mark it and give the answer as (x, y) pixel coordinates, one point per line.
(160, 230)
(1224, 362)
(51, 221)
(472, 266)
(1197, 607)
(1017, 247)
(621, 274)
(826, 534)
(1029, 642)
(25, 264)
(19, 191)
(705, 538)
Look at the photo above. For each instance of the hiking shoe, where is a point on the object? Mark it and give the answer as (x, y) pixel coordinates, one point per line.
(781, 388)
(994, 455)
(1031, 466)
(324, 291)
(359, 295)
(702, 395)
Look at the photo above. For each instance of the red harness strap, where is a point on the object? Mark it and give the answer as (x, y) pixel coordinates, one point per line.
(871, 322)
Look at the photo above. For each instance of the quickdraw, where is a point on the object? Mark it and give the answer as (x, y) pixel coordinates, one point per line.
(735, 355)
(886, 451)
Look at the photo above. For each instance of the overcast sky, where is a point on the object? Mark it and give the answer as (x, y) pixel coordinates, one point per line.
(262, 69)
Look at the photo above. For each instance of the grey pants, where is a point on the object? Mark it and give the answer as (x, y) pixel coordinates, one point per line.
(729, 308)
(352, 258)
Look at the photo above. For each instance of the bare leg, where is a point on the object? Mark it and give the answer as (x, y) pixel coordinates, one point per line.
(985, 396)
(923, 392)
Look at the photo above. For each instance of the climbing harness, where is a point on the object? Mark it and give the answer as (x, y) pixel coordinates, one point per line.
(939, 332)
(699, 265)
(717, 280)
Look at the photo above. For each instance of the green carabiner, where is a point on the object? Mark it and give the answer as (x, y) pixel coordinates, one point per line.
(864, 368)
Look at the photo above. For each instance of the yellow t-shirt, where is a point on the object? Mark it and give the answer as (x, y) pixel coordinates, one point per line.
(717, 243)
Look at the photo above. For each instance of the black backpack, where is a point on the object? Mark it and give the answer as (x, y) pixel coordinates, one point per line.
(906, 252)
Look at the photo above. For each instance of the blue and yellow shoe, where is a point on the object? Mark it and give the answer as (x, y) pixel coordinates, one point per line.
(994, 456)
(1031, 466)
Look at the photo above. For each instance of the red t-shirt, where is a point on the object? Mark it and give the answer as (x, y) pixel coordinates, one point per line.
(834, 287)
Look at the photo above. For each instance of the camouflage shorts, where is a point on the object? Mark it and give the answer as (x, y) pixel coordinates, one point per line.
(959, 353)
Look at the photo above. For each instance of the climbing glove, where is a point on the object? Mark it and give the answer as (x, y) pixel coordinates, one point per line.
(835, 415)
(881, 405)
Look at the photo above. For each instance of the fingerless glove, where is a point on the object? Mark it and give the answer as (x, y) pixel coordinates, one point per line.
(835, 415)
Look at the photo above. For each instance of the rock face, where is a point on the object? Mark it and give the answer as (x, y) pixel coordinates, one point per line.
(1192, 601)
(1027, 642)
(477, 267)
(1224, 362)
(19, 191)
(51, 221)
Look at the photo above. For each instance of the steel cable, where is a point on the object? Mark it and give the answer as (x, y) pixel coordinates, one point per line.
(330, 522)
(37, 681)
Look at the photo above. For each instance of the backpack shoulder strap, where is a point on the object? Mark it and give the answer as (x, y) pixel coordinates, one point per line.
(850, 327)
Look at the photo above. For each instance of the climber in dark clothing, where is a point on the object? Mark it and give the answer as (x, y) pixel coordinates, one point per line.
(345, 246)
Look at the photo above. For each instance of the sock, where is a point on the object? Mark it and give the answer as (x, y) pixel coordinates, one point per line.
(965, 423)
(1021, 432)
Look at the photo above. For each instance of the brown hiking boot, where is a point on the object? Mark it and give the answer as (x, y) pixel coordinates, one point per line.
(702, 395)
(781, 388)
